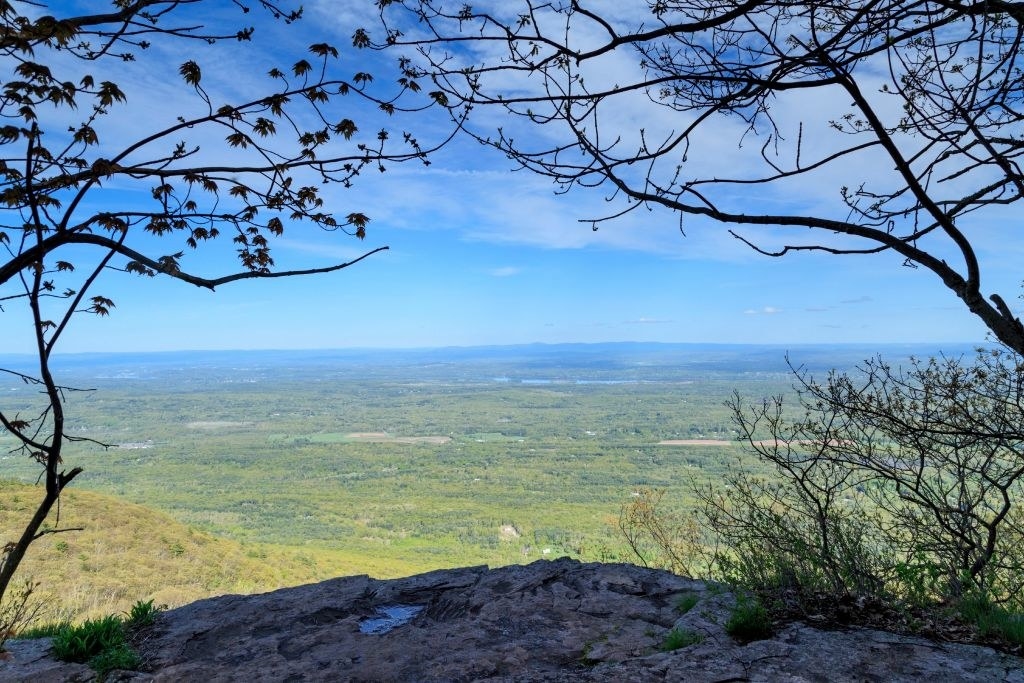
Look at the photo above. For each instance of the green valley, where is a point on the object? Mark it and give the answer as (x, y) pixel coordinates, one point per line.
(318, 464)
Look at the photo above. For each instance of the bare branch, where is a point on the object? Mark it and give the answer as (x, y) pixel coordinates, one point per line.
(920, 98)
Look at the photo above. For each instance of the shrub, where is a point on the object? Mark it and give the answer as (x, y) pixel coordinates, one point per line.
(663, 538)
(889, 484)
(896, 477)
(17, 609)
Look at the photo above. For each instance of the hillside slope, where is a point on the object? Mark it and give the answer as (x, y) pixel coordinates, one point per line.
(127, 552)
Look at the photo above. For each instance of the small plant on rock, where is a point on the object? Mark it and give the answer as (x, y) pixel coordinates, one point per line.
(87, 640)
(749, 619)
(142, 614)
(687, 602)
(679, 638)
(105, 644)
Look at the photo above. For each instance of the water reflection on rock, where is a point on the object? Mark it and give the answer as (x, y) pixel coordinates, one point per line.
(389, 617)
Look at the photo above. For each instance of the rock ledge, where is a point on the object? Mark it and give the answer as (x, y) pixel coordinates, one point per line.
(547, 621)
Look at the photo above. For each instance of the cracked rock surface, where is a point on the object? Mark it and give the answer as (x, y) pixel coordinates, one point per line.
(546, 621)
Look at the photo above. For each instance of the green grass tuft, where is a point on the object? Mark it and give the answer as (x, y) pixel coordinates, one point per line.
(141, 615)
(118, 657)
(687, 602)
(749, 620)
(992, 619)
(43, 630)
(102, 643)
(679, 638)
(83, 642)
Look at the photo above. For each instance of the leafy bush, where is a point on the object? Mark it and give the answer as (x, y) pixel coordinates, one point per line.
(892, 484)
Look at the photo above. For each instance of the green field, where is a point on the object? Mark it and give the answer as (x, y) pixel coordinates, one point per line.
(391, 466)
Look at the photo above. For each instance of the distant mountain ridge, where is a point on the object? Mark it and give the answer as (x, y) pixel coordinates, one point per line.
(756, 357)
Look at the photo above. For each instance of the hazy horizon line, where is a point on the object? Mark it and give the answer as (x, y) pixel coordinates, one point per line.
(521, 345)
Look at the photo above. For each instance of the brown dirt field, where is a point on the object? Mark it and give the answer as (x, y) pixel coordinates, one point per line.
(384, 437)
(694, 442)
(717, 442)
(217, 424)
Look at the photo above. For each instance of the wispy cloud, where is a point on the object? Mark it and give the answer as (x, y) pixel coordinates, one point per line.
(505, 271)
(648, 321)
(767, 310)
(859, 300)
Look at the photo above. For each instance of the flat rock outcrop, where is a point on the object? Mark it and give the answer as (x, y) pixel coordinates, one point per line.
(547, 621)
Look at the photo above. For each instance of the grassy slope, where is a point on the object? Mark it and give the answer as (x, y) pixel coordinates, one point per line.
(127, 552)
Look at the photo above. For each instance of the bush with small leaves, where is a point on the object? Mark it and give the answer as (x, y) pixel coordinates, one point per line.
(890, 483)
(17, 609)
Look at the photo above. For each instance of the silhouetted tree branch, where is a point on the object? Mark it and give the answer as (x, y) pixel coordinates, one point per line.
(937, 449)
(885, 126)
(240, 158)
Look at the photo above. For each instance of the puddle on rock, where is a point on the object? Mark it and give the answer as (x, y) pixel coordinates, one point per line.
(388, 618)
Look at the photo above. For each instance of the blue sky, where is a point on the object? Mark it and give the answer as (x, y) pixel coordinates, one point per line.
(479, 254)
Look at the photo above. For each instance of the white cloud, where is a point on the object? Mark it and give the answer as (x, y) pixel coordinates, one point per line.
(494, 206)
(506, 271)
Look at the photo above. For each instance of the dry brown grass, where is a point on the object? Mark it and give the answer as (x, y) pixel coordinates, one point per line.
(127, 552)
